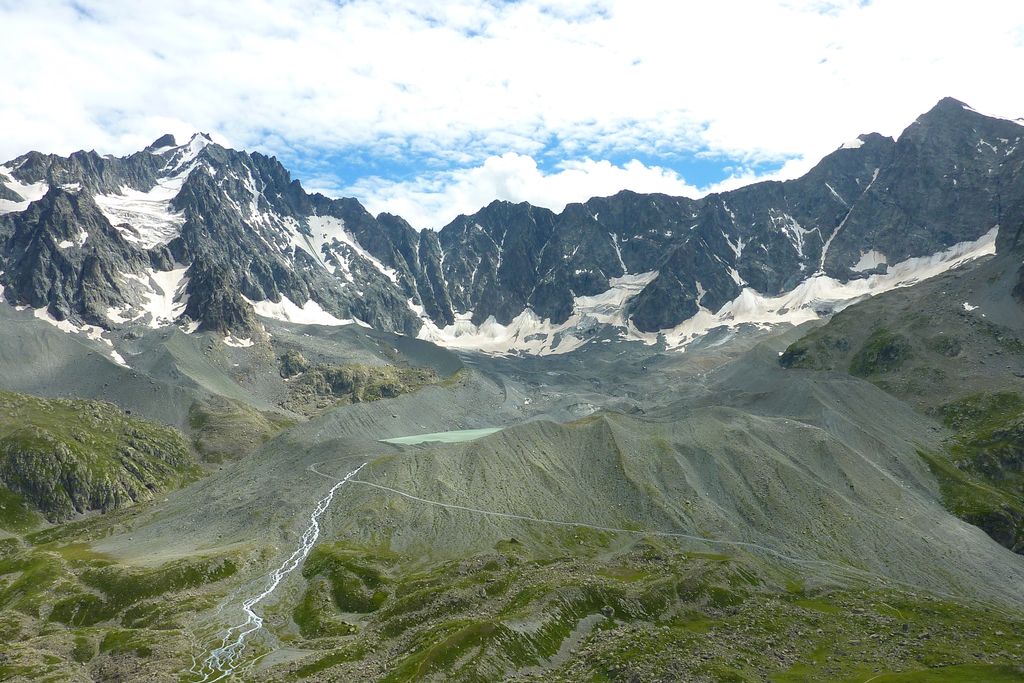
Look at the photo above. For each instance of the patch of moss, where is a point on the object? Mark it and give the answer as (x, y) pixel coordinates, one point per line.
(964, 673)
(978, 415)
(120, 642)
(313, 615)
(64, 532)
(9, 546)
(84, 649)
(292, 363)
(350, 654)
(15, 513)
(945, 344)
(355, 586)
(814, 352)
(882, 352)
(223, 429)
(34, 577)
(321, 386)
(82, 609)
(621, 573)
(121, 588)
(127, 586)
(982, 474)
(454, 379)
(817, 604)
(456, 639)
(26, 673)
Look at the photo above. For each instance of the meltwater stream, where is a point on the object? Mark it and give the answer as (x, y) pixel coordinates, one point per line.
(224, 660)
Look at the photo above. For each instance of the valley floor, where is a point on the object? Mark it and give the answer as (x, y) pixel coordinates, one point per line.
(616, 514)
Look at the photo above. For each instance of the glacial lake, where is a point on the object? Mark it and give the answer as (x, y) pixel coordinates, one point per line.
(456, 436)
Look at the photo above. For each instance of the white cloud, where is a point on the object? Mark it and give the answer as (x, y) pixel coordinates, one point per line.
(456, 83)
(433, 200)
(792, 168)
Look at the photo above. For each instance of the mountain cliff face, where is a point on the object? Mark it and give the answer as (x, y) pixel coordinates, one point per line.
(195, 232)
(948, 179)
(211, 238)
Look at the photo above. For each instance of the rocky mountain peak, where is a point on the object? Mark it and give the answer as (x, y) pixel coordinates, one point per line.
(951, 120)
(162, 142)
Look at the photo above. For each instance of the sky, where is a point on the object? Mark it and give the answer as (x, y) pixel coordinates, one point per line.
(431, 109)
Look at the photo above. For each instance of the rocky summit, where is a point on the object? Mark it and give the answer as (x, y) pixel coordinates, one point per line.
(776, 434)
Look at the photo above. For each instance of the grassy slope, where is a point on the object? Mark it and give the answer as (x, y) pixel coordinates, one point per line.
(601, 611)
(922, 345)
(980, 470)
(68, 456)
(67, 613)
(226, 429)
(982, 475)
(606, 612)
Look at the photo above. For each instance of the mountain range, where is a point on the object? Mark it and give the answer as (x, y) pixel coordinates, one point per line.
(210, 238)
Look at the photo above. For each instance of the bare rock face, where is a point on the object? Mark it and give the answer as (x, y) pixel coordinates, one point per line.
(63, 255)
(947, 179)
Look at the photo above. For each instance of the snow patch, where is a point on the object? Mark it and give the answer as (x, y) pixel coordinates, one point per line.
(828, 242)
(66, 325)
(527, 333)
(328, 230)
(151, 219)
(818, 295)
(184, 155)
(736, 248)
(286, 310)
(618, 250)
(117, 314)
(869, 260)
(856, 143)
(91, 331)
(968, 307)
(64, 244)
(609, 306)
(118, 358)
(237, 342)
(791, 229)
(165, 297)
(835, 194)
(29, 193)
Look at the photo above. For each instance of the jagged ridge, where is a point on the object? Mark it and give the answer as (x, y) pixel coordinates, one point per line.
(233, 228)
